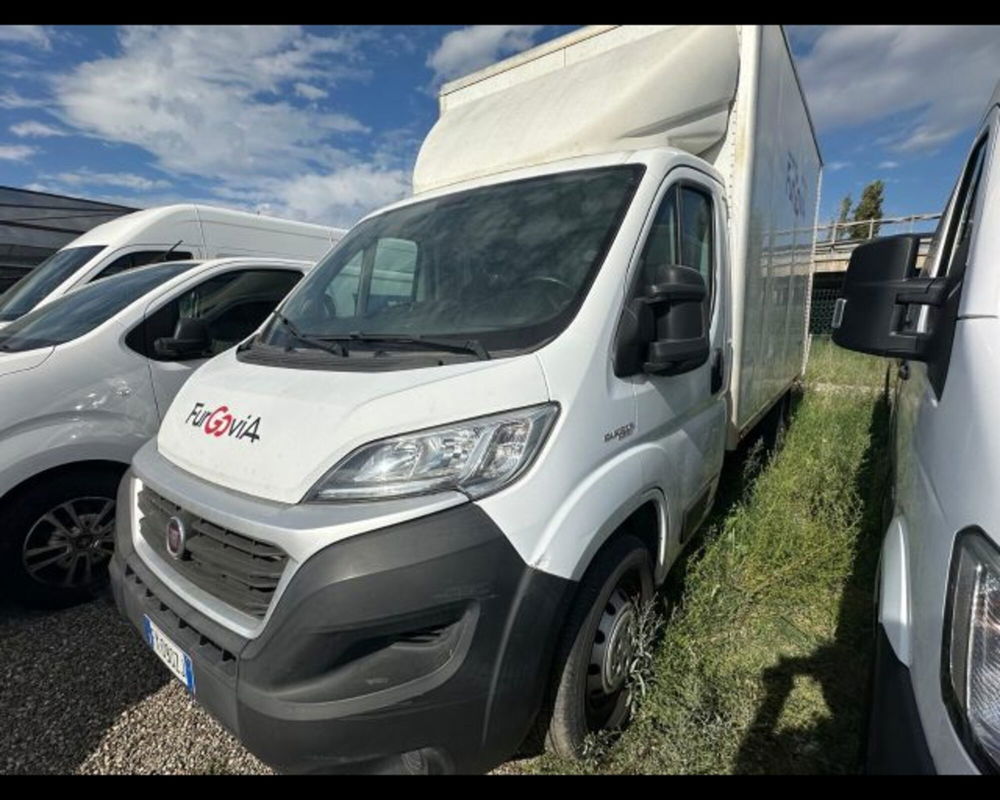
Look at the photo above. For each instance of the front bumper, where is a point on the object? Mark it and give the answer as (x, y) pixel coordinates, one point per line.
(421, 647)
(897, 744)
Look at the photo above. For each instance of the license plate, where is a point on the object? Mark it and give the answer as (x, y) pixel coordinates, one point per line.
(177, 661)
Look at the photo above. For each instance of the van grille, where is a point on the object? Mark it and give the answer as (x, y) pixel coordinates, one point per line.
(239, 570)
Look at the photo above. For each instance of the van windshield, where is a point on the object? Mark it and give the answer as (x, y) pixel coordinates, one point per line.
(505, 265)
(79, 312)
(35, 286)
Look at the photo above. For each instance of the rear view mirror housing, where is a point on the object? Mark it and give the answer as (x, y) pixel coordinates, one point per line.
(190, 340)
(665, 328)
(880, 286)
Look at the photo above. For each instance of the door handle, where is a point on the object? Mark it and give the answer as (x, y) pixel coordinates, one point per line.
(718, 370)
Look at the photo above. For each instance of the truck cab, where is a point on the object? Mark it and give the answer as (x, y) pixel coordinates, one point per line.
(935, 705)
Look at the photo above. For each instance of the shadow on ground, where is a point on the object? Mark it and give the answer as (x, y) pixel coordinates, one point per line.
(65, 676)
(835, 743)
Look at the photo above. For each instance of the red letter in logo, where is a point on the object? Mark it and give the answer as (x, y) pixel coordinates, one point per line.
(218, 421)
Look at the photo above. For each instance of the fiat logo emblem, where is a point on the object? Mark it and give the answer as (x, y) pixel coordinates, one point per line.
(176, 536)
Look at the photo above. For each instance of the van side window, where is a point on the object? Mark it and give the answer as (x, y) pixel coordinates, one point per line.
(696, 232)
(681, 234)
(233, 305)
(661, 247)
(139, 259)
(963, 223)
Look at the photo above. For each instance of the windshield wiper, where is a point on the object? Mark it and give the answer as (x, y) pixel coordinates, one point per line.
(320, 343)
(473, 346)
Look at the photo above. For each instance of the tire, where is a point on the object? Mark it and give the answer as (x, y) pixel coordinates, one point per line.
(51, 559)
(621, 572)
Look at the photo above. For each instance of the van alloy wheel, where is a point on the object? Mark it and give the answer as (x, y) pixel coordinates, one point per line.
(69, 545)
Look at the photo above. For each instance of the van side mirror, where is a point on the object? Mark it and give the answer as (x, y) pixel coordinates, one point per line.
(880, 287)
(665, 328)
(190, 340)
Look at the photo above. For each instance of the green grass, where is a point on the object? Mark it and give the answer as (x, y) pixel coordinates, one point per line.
(762, 666)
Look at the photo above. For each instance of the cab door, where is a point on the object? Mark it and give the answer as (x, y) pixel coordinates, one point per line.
(232, 304)
(683, 416)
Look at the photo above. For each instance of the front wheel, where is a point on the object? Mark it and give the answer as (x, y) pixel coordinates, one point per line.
(590, 682)
(59, 536)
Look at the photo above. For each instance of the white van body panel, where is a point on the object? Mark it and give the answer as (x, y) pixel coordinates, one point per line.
(315, 418)
(203, 231)
(947, 467)
(91, 398)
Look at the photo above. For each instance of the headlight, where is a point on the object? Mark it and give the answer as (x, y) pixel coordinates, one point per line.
(478, 457)
(972, 646)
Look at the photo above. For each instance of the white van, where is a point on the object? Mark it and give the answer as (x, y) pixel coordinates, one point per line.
(175, 233)
(937, 665)
(489, 420)
(84, 381)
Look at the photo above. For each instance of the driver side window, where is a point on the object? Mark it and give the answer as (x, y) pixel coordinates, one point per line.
(681, 234)
(233, 305)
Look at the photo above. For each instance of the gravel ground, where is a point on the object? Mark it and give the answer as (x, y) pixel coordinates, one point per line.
(81, 693)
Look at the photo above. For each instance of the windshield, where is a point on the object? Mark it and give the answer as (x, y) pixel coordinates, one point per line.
(35, 286)
(505, 266)
(80, 311)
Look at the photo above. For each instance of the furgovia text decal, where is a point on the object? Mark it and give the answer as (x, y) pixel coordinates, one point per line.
(221, 423)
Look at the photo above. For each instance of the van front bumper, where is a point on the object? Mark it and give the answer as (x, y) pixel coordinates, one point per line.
(425, 646)
(896, 741)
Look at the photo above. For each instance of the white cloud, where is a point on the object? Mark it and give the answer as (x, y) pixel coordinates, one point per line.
(941, 75)
(310, 92)
(342, 196)
(338, 198)
(468, 49)
(213, 102)
(26, 34)
(34, 128)
(123, 180)
(16, 152)
(836, 166)
(11, 99)
(888, 164)
(205, 100)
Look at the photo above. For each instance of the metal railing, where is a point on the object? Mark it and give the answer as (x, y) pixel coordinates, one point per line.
(862, 230)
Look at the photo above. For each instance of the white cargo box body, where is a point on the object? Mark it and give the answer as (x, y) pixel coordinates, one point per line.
(728, 94)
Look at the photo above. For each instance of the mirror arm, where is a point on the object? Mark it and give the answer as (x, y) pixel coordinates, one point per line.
(923, 292)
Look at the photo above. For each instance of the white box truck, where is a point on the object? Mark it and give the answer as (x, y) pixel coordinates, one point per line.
(175, 233)
(488, 421)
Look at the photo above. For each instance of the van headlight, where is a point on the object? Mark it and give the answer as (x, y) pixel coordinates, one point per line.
(972, 646)
(477, 457)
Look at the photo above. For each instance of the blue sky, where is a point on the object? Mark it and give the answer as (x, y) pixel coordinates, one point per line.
(323, 123)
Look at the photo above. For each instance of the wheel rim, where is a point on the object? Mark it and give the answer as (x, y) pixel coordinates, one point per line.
(70, 544)
(610, 656)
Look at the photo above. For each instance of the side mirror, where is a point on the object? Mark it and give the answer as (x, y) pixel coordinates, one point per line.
(190, 340)
(665, 328)
(880, 286)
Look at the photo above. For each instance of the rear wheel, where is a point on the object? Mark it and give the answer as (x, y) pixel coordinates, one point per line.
(59, 535)
(590, 681)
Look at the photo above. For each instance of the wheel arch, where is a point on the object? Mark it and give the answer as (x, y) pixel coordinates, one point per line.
(18, 489)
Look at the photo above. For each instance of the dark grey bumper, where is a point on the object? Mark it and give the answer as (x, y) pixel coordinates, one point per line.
(896, 741)
(425, 646)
